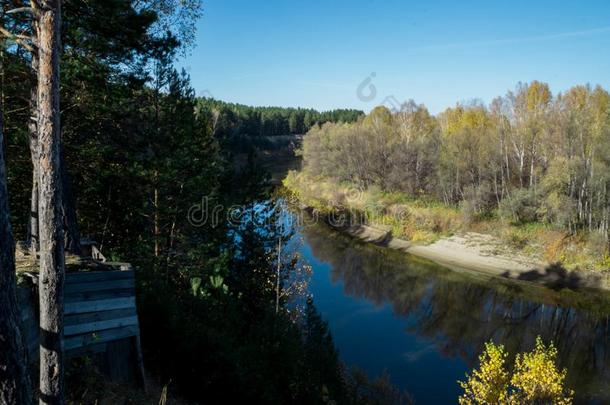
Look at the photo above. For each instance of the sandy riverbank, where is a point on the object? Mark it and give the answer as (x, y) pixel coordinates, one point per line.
(475, 252)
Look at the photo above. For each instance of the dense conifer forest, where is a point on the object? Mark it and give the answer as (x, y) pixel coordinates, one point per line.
(136, 150)
(236, 119)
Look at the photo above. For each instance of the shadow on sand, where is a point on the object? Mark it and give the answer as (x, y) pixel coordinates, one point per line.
(557, 277)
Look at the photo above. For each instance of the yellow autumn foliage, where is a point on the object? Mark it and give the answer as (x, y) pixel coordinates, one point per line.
(535, 378)
(488, 384)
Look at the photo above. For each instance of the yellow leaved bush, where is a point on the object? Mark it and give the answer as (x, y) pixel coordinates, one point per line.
(535, 378)
(488, 384)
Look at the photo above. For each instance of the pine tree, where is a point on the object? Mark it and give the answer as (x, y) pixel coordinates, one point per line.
(50, 206)
(14, 379)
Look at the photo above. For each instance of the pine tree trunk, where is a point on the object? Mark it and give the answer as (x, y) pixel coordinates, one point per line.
(50, 207)
(72, 233)
(14, 379)
(33, 235)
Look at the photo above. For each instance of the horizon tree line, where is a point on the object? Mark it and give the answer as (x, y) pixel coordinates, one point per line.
(232, 119)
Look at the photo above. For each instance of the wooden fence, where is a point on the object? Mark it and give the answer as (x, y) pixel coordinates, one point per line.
(100, 319)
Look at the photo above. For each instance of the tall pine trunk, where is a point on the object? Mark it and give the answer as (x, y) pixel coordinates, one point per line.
(14, 379)
(72, 233)
(50, 207)
(33, 235)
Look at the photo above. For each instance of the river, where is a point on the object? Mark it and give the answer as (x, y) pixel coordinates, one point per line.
(425, 324)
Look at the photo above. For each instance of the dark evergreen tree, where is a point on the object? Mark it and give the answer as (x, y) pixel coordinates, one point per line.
(14, 379)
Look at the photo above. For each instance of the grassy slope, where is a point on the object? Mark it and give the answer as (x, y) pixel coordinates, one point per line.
(424, 222)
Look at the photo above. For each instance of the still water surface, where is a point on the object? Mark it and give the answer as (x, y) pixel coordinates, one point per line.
(425, 324)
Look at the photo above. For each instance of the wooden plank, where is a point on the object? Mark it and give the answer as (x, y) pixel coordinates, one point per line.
(82, 307)
(100, 325)
(87, 350)
(93, 276)
(100, 308)
(100, 295)
(99, 286)
(104, 336)
(70, 320)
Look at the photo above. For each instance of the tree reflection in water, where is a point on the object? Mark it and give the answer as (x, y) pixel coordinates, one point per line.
(460, 311)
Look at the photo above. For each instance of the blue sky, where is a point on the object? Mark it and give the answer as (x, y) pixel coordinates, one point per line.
(314, 53)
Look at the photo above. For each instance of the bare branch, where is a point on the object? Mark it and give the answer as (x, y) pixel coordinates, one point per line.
(20, 10)
(19, 39)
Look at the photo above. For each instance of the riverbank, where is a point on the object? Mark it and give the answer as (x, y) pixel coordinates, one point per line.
(437, 233)
(475, 252)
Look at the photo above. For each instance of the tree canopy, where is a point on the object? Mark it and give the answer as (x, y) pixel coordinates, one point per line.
(530, 156)
(236, 119)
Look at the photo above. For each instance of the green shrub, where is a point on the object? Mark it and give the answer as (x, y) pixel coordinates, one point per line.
(522, 206)
(479, 202)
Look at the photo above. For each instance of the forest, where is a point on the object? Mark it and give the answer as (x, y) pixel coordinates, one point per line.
(230, 119)
(105, 139)
(530, 159)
